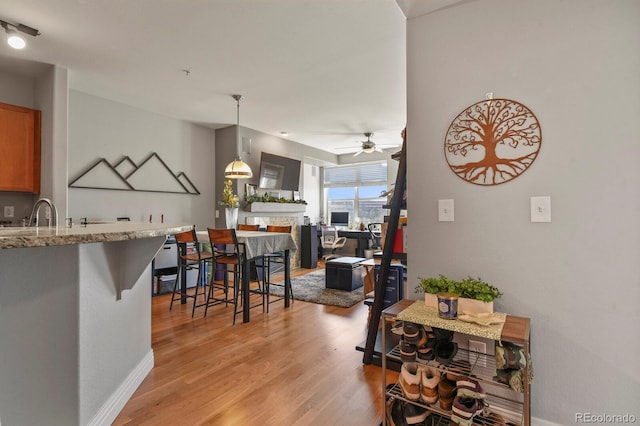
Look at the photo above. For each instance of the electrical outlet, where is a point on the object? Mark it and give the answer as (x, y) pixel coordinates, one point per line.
(8, 211)
(475, 348)
(217, 214)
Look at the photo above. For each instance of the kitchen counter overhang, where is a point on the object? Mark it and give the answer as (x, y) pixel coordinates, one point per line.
(11, 238)
(75, 320)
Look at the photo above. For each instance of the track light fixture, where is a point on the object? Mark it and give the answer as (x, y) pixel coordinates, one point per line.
(14, 38)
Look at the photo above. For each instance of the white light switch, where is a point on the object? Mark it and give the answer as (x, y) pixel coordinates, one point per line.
(541, 209)
(217, 214)
(8, 211)
(445, 210)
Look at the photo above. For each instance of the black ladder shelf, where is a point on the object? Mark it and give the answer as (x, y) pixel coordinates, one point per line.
(387, 254)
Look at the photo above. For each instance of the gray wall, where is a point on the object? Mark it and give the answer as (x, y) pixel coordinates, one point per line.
(226, 151)
(575, 64)
(101, 128)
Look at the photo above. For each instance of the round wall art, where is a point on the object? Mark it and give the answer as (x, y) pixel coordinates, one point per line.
(492, 142)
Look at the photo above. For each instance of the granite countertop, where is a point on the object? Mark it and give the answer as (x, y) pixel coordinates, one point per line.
(80, 234)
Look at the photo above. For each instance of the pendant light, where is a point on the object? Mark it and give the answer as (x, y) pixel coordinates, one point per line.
(238, 169)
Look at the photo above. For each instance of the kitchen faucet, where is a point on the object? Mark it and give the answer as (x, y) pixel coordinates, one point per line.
(36, 210)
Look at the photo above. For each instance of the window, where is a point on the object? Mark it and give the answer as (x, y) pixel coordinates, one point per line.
(356, 189)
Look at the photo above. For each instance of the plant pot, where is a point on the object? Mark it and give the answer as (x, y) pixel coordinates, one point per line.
(464, 304)
(231, 217)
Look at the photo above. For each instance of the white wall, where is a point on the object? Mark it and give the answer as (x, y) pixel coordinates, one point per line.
(99, 128)
(575, 64)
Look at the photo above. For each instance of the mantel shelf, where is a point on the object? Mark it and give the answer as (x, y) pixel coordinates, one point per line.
(276, 207)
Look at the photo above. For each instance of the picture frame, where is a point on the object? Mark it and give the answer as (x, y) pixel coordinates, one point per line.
(296, 195)
(250, 190)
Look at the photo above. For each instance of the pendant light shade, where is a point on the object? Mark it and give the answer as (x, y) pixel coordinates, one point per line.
(238, 169)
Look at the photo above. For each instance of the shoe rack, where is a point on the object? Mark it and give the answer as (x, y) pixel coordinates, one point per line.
(513, 406)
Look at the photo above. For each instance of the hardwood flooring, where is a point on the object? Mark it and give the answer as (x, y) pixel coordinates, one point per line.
(295, 366)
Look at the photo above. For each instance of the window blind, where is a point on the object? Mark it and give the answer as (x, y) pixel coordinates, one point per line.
(356, 173)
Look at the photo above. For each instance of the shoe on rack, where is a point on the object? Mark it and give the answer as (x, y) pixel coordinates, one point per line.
(407, 351)
(446, 402)
(442, 334)
(414, 413)
(425, 354)
(446, 388)
(397, 328)
(465, 409)
(445, 351)
(395, 414)
(411, 332)
(430, 378)
(470, 388)
(410, 377)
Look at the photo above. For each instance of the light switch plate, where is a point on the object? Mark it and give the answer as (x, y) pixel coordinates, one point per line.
(541, 209)
(8, 211)
(445, 210)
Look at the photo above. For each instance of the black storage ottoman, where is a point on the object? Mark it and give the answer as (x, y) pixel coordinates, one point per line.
(344, 273)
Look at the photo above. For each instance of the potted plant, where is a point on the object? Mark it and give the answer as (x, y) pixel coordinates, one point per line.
(231, 203)
(474, 295)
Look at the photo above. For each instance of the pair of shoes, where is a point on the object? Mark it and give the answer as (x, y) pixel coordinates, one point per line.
(415, 414)
(465, 409)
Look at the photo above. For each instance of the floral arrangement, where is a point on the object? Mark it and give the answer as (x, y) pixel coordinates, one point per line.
(229, 199)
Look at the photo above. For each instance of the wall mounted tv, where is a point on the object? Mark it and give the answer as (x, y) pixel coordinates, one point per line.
(278, 172)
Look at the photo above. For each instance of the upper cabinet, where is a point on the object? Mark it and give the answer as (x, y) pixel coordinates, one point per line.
(19, 149)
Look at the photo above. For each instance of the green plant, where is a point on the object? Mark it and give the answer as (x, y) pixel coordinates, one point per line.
(266, 198)
(471, 288)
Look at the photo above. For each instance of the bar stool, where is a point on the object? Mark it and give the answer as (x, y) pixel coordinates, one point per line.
(277, 257)
(190, 257)
(231, 256)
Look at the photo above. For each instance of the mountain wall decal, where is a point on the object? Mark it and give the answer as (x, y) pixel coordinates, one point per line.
(151, 175)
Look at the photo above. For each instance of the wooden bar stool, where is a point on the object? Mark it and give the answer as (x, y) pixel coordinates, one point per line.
(190, 257)
(275, 258)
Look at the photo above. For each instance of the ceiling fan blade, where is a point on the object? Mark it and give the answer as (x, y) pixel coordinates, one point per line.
(358, 153)
(377, 148)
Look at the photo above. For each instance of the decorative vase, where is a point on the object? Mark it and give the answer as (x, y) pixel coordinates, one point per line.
(464, 304)
(231, 217)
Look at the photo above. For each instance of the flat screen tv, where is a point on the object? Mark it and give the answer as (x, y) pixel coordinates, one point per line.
(278, 172)
(340, 218)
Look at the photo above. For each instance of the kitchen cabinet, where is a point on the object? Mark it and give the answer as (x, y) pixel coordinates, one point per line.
(19, 149)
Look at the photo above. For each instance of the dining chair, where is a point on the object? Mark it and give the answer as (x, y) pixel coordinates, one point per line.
(228, 252)
(245, 227)
(190, 257)
(274, 258)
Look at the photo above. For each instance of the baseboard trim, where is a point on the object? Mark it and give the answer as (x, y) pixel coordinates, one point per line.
(116, 402)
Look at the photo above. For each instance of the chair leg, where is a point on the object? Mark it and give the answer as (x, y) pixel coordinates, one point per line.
(175, 286)
(236, 293)
(195, 296)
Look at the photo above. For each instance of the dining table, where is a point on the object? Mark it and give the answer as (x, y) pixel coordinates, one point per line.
(257, 244)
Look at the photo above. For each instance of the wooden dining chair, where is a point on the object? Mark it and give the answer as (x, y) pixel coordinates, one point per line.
(245, 227)
(190, 257)
(275, 258)
(231, 256)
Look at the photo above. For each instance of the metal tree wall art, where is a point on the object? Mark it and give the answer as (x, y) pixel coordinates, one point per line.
(492, 142)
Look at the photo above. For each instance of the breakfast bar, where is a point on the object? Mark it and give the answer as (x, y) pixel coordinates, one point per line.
(75, 320)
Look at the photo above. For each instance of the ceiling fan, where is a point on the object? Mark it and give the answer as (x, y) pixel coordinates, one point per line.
(370, 146)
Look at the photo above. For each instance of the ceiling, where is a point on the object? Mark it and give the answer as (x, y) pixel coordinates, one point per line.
(325, 71)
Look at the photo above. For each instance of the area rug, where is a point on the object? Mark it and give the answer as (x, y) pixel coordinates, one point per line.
(311, 288)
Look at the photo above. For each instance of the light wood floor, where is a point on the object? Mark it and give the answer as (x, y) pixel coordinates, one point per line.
(296, 366)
